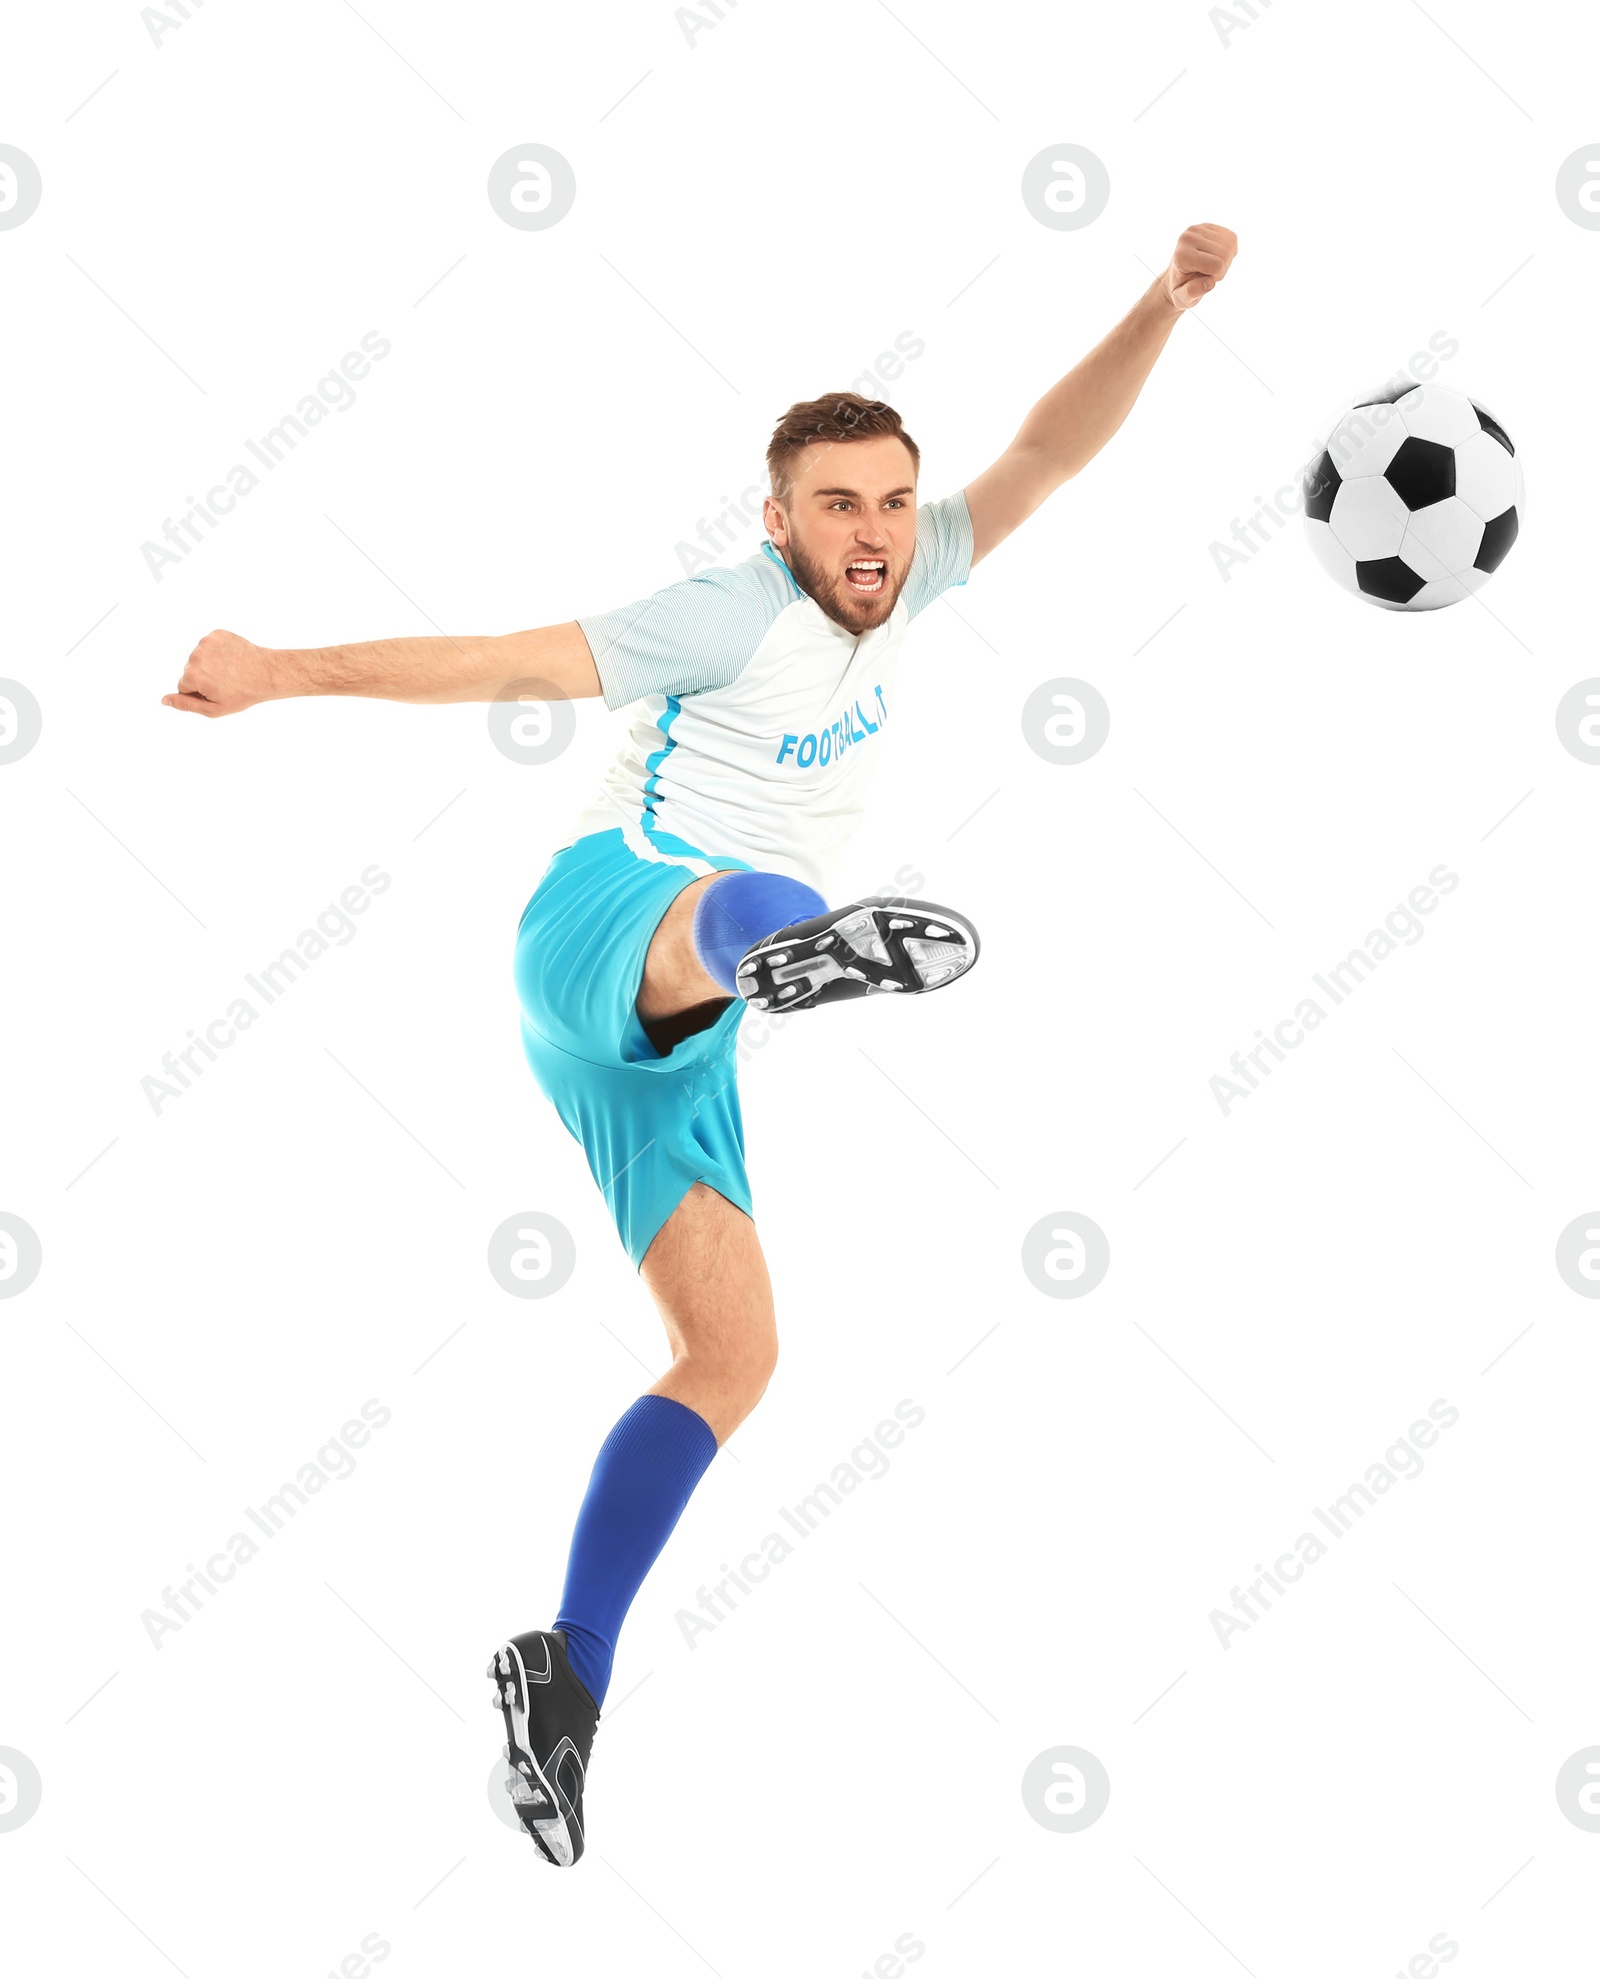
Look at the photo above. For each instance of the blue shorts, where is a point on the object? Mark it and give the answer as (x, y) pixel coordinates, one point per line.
(651, 1126)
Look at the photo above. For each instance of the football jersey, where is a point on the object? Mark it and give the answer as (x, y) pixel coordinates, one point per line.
(758, 718)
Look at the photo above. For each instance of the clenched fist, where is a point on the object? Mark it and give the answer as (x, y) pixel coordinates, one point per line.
(225, 674)
(1204, 254)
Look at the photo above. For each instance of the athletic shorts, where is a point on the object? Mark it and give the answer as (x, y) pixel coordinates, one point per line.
(651, 1126)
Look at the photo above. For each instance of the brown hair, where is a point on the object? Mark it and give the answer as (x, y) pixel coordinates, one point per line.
(839, 417)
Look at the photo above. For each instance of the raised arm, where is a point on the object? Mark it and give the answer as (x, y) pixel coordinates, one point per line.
(1076, 417)
(226, 673)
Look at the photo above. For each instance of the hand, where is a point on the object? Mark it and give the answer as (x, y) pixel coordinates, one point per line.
(225, 674)
(1204, 254)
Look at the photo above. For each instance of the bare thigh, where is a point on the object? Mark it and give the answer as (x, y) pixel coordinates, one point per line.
(709, 1280)
(673, 978)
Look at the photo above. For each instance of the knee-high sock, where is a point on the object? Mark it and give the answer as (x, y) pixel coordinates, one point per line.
(645, 1474)
(737, 910)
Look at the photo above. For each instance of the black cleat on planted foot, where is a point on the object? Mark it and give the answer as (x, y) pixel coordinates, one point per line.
(550, 1720)
(880, 943)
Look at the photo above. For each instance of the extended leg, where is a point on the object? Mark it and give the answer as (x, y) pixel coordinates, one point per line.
(707, 1275)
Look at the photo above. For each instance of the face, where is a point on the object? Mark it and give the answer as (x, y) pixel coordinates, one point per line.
(848, 526)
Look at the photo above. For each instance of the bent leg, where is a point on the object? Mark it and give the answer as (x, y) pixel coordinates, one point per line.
(674, 977)
(709, 1280)
(709, 926)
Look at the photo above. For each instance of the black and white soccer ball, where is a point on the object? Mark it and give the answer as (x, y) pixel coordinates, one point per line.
(1413, 498)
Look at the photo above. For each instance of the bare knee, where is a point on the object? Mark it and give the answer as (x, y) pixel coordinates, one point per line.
(707, 1275)
(673, 977)
(730, 1376)
(753, 1366)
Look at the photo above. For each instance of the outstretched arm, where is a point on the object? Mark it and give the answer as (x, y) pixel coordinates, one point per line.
(226, 673)
(1076, 417)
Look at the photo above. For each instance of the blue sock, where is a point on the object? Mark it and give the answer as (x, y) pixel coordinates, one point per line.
(736, 911)
(645, 1474)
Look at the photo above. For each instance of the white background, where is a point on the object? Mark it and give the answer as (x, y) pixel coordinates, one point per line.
(1293, 1285)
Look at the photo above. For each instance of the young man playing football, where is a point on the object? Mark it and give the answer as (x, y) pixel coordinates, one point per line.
(696, 884)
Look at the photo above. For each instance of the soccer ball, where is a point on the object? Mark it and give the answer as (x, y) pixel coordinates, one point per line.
(1413, 498)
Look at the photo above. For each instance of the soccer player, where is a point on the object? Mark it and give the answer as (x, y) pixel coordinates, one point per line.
(694, 885)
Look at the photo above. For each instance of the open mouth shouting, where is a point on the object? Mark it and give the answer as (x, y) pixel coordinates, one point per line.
(867, 576)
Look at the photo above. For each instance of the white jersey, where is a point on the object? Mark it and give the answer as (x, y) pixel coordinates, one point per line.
(758, 718)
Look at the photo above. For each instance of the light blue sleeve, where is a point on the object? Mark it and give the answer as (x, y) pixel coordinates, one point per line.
(943, 555)
(697, 634)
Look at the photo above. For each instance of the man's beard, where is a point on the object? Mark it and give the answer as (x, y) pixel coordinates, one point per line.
(837, 600)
